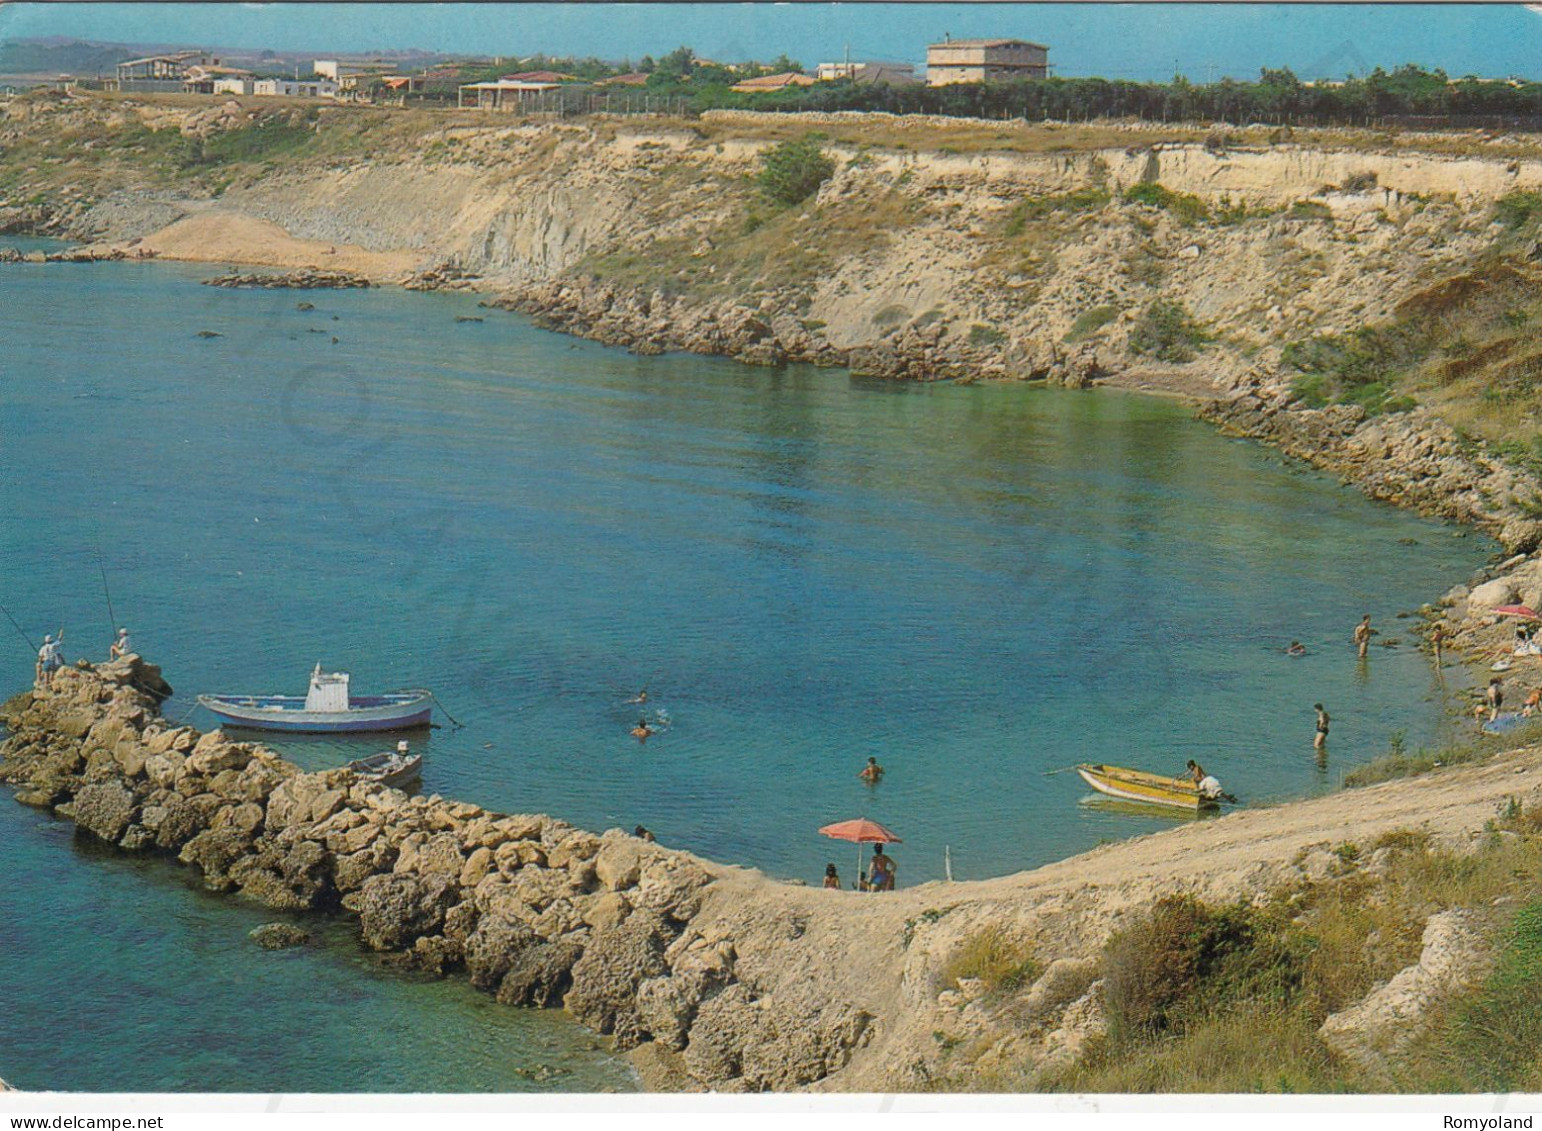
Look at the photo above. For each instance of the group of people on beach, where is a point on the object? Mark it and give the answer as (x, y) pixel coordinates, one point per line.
(50, 657)
(881, 870)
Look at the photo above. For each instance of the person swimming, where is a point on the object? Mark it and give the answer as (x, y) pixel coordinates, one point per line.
(1296, 649)
(642, 730)
(640, 697)
(871, 773)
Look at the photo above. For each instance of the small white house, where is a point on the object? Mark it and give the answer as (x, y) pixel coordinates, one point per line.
(293, 88)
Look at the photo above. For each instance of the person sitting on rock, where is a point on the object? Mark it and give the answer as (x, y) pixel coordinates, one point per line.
(49, 658)
(872, 772)
(120, 647)
(643, 834)
(832, 877)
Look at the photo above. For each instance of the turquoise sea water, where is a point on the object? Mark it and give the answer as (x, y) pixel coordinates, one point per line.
(976, 584)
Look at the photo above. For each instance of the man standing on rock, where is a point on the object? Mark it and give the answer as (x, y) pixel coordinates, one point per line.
(49, 659)
(1363, 635)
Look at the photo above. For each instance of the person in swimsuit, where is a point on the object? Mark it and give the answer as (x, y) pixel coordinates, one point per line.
(642, 730)
(1495, 697)
(1322, 727)
(872, 772)
(1533, 701)
(1194, 772)
(640, 697)
(1363, 632)
(1296, 649)
(880, 874)
(832, 877)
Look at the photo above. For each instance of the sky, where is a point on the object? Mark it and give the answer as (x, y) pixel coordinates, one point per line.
(1145, 41)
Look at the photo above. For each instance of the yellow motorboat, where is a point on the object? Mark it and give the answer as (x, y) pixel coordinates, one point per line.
(1154, 789)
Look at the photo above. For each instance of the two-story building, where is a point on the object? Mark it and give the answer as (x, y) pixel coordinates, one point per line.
(985, 60)
(160, 74)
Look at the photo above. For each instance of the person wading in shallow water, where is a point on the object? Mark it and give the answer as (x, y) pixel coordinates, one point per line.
(1322, 727)
(1363, 632)
(872, 772)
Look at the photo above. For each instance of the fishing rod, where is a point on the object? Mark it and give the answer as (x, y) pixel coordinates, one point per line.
(101, 566)
(18, 627)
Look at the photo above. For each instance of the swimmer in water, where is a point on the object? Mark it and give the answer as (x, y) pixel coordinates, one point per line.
(872, 772)
(1296, 649)
(642, 730)
(640, 697)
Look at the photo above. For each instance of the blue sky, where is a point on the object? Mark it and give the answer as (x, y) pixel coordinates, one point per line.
(1140, 41)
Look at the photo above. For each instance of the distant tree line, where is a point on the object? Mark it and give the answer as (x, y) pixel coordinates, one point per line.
(1278, 97)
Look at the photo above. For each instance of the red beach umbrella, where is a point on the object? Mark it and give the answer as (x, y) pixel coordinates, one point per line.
(861, 831)
(1525, 612)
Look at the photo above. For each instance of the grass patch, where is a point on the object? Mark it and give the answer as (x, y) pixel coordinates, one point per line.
(1089, 322)
(1167, 332)
(1088, 199)
(1184, 207)
(1002, 963)
(1309, 210)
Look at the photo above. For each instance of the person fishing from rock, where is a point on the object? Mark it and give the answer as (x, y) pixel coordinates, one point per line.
(871, 773)
(50, 658)
(121, 646)
(1363, 633)
(1322, 727)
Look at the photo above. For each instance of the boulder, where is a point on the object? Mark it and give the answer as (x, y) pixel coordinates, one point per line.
(106, 809)
(540, 974)
(216, 853)
(605, 979)
(395, 910)
(278, 936)
(1491, 594)
(494, 946)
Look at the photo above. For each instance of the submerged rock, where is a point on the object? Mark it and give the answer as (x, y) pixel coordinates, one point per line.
(278, 936)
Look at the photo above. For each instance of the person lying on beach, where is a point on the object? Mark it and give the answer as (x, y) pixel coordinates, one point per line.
(642, 730)
(871, 772)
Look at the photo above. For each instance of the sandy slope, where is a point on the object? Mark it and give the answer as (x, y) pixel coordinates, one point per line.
(217, 236)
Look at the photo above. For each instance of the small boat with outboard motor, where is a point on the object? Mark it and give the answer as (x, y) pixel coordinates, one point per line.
(390, 767)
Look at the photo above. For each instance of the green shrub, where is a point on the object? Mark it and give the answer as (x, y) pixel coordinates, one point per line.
(1184, 958)
(1090, 321)
(981, 335)
(1167, 332)
(1184, 207)
(1309, 210)
(793, 171)
(1516, 209)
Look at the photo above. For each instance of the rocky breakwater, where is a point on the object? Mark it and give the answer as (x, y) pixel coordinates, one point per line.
(307, 278)
(646, 944)
(91, 254)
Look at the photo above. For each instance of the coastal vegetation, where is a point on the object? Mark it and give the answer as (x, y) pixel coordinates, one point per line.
(792, 171)
(1201, 997)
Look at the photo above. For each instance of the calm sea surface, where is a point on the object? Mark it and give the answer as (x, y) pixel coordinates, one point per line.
(976, 584)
